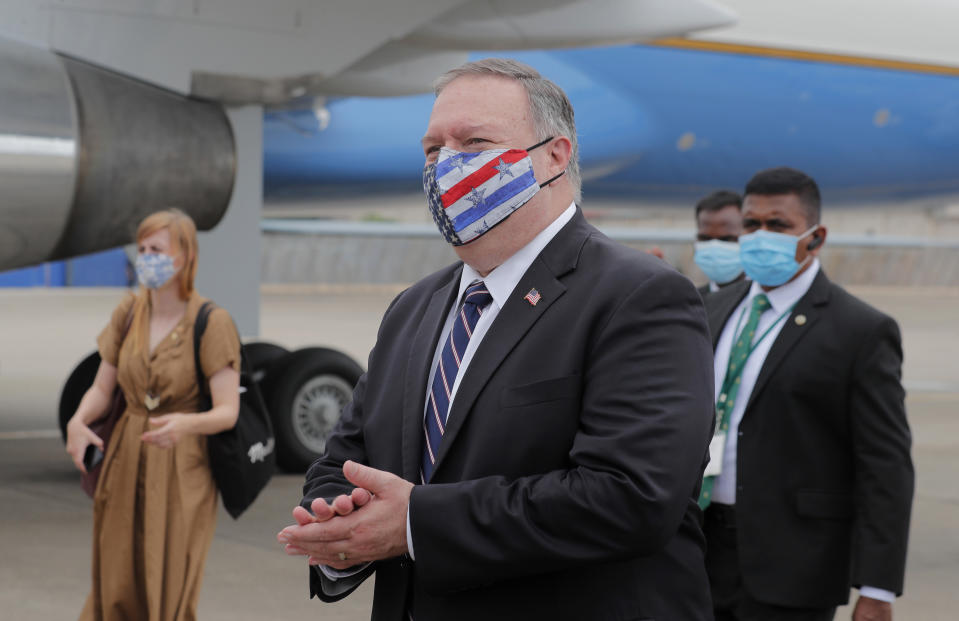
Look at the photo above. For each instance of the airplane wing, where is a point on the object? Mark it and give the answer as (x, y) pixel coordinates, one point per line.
(914, 35)
(273, 51)
(89, 144)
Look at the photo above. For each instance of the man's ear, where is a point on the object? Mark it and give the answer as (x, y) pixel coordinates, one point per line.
(560, 151)
(817, 241)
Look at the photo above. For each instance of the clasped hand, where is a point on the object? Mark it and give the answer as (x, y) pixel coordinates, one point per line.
(166, 430)
(367, 525)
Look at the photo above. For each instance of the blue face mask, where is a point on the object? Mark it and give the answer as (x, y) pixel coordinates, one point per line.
(770, 258)
(719, 260)
(154, 270)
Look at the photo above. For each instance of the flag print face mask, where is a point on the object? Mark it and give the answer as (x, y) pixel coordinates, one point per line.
(469, 193)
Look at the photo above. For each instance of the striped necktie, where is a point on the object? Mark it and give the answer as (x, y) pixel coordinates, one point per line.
(477, 297)
(730, 388)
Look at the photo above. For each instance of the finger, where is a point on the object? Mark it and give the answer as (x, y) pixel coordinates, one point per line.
(293, 550)
(78, 462)
(376, 481)
(318, 533)
(159, 420)
(360, 497)
(302, 516)
(322, 511)
(343, 505)
(93, 438)
(335, 562)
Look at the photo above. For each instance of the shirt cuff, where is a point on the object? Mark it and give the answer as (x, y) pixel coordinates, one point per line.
(880, 594)
(335, 574)
(409, 534)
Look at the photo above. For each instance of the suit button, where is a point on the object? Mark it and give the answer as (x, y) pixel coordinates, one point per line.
(740, 434)
(739, 488)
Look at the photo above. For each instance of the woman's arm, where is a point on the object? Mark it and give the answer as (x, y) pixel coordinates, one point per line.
(93, 405)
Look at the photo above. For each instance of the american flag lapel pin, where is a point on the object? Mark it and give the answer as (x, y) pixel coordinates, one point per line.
(533, 297)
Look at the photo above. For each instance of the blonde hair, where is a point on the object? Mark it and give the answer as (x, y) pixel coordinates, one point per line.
(182, 239)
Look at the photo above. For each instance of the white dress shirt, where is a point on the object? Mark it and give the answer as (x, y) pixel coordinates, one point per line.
(782, 299)
(500, 282)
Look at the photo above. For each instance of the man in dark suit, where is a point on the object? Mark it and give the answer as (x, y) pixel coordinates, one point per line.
(719, 223)
(562, 481)
(815, 480)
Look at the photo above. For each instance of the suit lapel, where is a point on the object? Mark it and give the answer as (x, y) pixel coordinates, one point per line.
(514, 320)
(718, 315)
(417, 374)
(811, 307)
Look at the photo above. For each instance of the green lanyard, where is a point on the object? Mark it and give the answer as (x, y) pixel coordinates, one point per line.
(728, 383)
(727, 398)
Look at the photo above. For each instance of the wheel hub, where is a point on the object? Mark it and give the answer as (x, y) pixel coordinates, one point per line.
(316, 409)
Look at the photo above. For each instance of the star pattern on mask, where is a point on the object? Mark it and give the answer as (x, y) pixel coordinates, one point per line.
(456, 161)
(504, 169)
(476, 197)
(436, 206)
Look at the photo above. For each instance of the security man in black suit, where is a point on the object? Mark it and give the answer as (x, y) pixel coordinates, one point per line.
(719, 223)
(815, 480)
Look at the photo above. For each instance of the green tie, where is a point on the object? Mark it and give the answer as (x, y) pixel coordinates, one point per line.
(734, 371)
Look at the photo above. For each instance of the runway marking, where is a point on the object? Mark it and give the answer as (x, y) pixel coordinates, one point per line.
(31, 434)
(930, 386)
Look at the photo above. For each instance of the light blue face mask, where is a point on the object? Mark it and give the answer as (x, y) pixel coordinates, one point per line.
(154, 270)
(770, 258)
(719, 260)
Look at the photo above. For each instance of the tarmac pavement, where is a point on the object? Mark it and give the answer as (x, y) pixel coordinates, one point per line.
(46, 520)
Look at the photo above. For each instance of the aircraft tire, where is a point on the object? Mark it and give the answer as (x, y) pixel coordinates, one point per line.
(308, 390)
(261, 357)
(75, 387)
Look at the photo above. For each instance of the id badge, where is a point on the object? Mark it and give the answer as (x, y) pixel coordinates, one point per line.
(716, 448)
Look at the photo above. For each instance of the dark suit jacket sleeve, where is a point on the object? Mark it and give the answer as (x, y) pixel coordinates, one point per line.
(884, 471)
(634, 466)
(325, 479)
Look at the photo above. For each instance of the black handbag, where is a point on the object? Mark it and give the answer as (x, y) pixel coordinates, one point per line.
(242, 458)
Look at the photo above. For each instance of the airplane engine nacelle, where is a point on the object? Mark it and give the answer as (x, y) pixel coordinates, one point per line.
(86, 153)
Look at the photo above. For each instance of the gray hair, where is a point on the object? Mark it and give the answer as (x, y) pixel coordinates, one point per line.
(550, 108)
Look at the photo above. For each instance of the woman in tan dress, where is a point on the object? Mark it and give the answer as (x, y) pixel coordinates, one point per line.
(154, 509)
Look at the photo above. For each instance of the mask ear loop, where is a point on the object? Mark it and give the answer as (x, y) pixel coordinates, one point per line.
(551, 179)
(539, 144)
(815, 242)
(812, 245)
